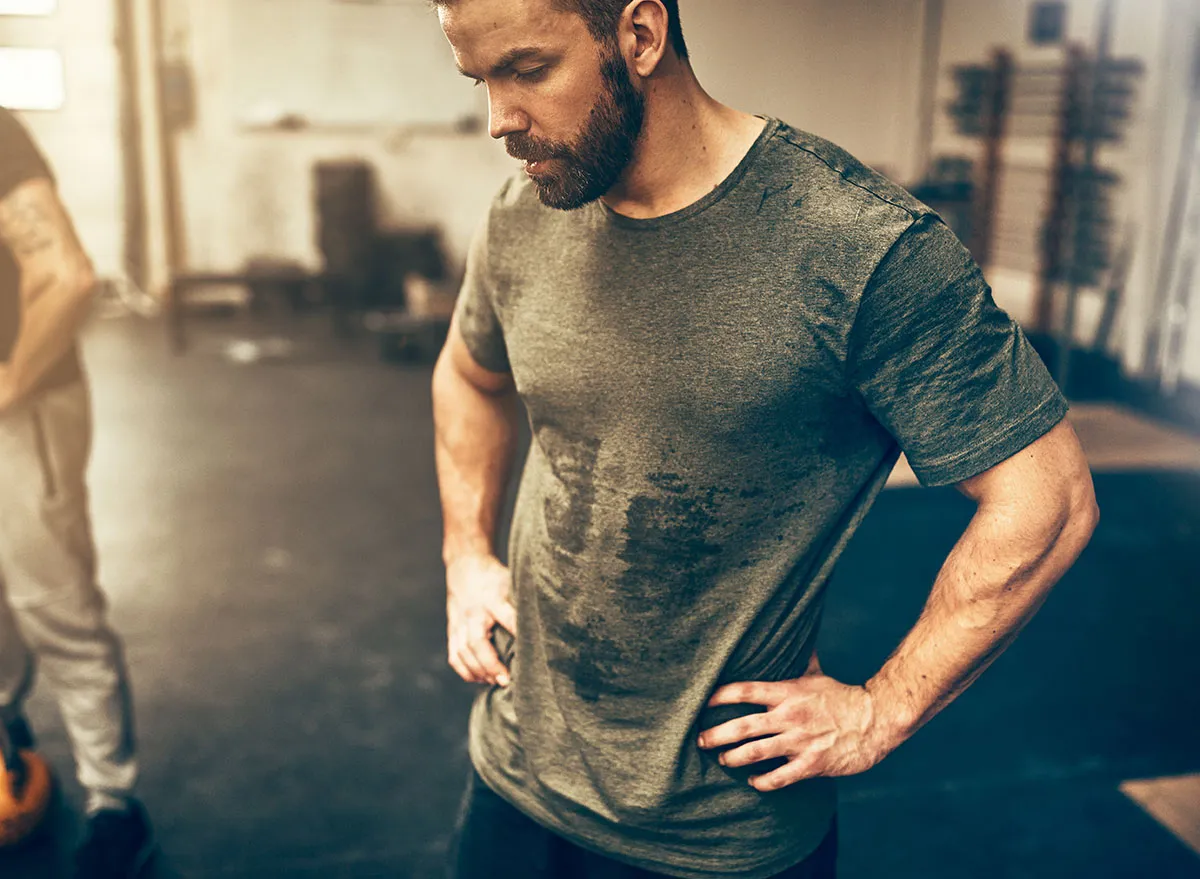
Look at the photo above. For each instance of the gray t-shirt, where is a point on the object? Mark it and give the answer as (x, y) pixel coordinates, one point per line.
(716, 397)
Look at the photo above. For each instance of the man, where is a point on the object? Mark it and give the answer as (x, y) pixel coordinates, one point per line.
(53, 612)
(723, 330)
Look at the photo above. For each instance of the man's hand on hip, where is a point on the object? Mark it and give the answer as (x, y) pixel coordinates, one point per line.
(477, 599)
(820, 726)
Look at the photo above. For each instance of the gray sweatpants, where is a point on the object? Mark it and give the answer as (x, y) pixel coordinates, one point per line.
(52, 613)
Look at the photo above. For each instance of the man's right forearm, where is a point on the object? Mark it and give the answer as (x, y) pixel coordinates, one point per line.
(475, 435)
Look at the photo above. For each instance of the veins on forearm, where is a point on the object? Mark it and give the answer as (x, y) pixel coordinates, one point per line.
(973, 670)
(978, 606)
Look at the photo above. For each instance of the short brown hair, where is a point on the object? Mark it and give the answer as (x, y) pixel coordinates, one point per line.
(601, 17)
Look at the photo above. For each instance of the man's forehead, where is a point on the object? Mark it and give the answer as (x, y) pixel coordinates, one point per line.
(481, 17)
(488, 29)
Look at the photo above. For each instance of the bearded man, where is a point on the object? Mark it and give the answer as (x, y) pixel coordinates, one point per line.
(724, 330)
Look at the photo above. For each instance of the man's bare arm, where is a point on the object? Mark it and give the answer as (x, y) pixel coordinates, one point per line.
(1036, 513)
(475, 421)
(56, 284)
(474, 414)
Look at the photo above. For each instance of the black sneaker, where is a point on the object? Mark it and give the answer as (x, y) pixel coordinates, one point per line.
(118, 844)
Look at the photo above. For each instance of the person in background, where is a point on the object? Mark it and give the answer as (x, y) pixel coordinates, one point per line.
(53, 615)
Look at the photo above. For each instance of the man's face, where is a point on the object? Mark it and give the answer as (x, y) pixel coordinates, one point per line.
(563, 103)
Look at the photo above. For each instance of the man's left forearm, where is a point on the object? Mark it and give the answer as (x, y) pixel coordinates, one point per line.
(1036, 511)
(49, 327)
(992, 583)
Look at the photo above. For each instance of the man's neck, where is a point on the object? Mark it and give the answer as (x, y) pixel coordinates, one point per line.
(689, 144)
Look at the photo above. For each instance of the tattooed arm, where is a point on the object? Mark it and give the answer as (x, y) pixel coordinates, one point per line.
(56, 284)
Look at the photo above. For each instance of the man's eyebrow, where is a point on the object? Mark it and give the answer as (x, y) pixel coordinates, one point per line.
(507, 60)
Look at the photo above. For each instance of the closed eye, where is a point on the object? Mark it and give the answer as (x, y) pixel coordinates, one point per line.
(535, 75)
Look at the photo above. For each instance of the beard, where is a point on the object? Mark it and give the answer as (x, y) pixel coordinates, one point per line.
(588, 168)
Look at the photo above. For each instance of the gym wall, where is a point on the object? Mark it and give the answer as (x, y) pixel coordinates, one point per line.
(247, 191)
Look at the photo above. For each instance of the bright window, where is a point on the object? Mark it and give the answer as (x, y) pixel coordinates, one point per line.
(31, 79)
(28, 7)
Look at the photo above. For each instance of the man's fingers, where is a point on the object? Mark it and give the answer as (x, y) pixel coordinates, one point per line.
(506, 615)
(470, 641)
(494, 671)
(454, 650)
(461, 670)
(460, 647)
(750, 693)
(797, 769)
(756, 752)
(750, 727)
(483, 656)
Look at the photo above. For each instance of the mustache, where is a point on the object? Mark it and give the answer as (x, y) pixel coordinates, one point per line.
(527, 149)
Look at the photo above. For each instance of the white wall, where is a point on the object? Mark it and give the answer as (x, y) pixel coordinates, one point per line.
(345, 63)
(248, 192)
(82, 140)
(847, 71)
(1171, 33)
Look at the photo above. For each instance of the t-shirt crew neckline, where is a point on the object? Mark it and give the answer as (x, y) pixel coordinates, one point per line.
(705, 202)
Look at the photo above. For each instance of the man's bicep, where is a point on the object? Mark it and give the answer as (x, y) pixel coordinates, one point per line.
(459, 357)
(36, 228)
(1048, 477)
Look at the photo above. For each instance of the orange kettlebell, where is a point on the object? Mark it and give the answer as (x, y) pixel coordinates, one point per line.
(20, 816)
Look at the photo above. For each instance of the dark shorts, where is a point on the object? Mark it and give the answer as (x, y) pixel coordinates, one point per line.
(493, 840)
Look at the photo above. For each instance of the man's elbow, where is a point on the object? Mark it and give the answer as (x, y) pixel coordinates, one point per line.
(1076, 495)
(1083, 513)
(72, 284)
(81, 282)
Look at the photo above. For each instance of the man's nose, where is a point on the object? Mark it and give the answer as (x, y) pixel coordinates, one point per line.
(504, 118)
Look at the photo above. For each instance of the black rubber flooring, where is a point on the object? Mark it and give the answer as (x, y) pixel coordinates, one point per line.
(269, 536)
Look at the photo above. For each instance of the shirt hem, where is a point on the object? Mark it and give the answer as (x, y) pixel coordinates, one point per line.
(646, 857)
(998, 447)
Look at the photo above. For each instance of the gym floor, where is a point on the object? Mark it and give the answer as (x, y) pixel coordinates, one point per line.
(268, 528)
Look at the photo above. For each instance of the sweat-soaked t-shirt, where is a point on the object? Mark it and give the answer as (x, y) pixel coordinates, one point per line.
(716, 397)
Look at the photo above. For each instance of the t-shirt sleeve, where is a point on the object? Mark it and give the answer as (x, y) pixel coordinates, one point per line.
(475, 311)
(942, 368)
(20, 159)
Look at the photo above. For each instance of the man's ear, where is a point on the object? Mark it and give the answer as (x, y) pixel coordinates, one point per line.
(643, 35)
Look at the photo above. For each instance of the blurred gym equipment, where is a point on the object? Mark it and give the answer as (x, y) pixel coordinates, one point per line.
(1057, 224)
(365, 275)
(24, 793)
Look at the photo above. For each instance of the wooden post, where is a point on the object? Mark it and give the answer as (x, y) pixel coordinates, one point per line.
(995, 124)
(1054, 232)
(173, 216)
(1090, 116)
(133, 168)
